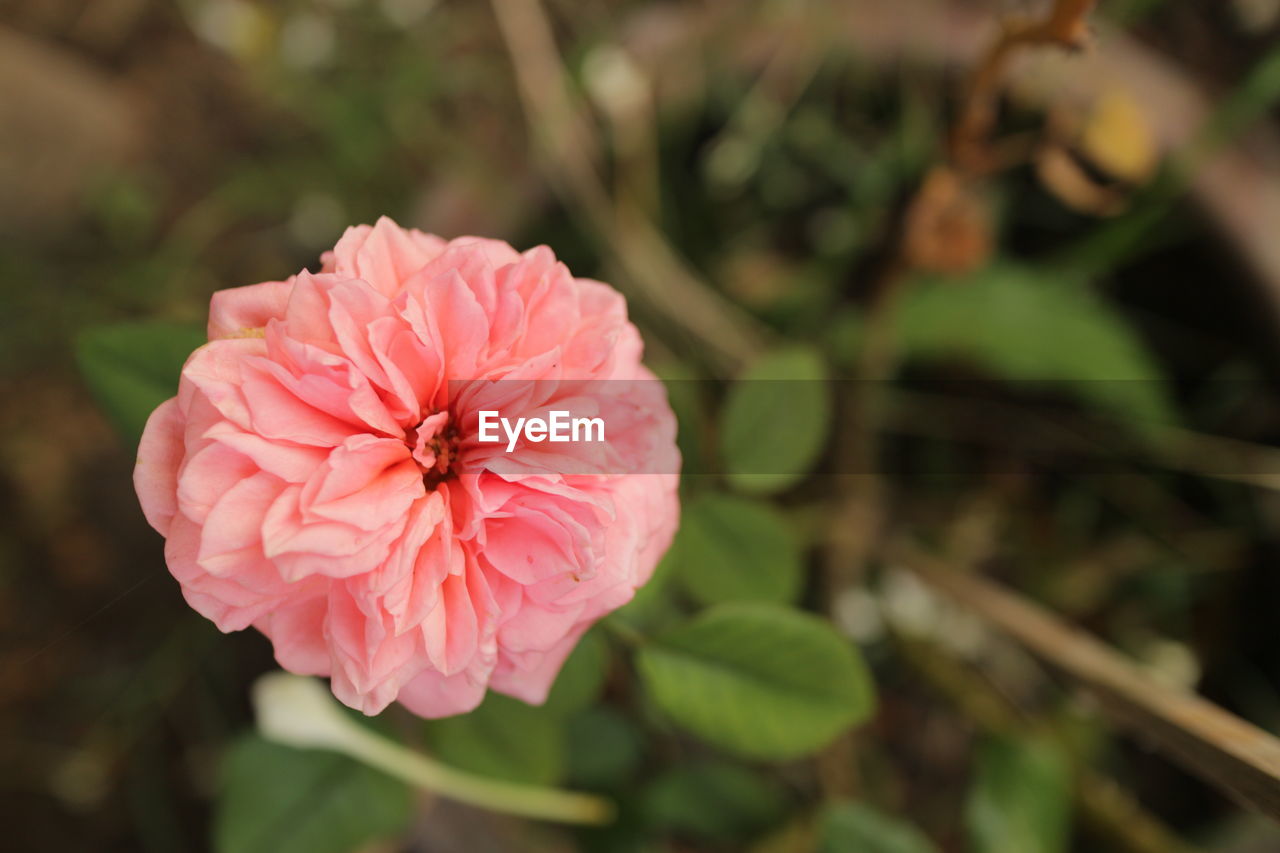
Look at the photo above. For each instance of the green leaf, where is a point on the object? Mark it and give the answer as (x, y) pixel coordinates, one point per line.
(581, 678)
(713, 801)
(775, 421)
(132, 368)
(1021, 798)
(736, 549)
(503, 739)
(687, 400)
(276, 799)
(759, 680)
(604, 748)
(854, 826)
(1024, 325)
(653, 605)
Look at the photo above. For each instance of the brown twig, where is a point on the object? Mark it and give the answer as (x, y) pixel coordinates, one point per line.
(1104, 805)
(567, 141)
(969, 540)
(943, 210)
(1171, 447)
(1232, 754)
(1065, 25)
(941, 217)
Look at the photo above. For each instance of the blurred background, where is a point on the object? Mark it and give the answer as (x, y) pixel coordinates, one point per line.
(754, 175)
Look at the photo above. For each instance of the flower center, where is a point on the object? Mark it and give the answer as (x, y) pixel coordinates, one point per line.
(433, 444)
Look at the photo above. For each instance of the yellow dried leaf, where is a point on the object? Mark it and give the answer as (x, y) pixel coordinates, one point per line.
(1118, 139)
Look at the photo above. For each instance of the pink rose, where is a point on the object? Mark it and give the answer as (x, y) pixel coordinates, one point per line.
(319, 477)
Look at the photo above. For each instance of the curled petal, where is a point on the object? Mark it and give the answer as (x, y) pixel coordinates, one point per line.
(243, 312)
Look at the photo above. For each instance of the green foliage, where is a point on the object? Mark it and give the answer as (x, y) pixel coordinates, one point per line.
(1025, 323)
(736, 549)
(581, 678)
(1020, 801)
(276, 799)
(653, 604)
(503, 738)
(850, 826)
(1028, 326)
(775, 421)
(133, 367)
(685, 395)
(604, 748)
(713, 801)
(1257, 94)
(758, 680)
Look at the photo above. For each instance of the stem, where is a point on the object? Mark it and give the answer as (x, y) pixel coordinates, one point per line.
(508, 797)
(1064, 25)
(1239, 758)
(569, 145)
(301, 712)
(859, 517)
(1110, 809)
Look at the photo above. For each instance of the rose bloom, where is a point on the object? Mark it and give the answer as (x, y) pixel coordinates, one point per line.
(318, 475)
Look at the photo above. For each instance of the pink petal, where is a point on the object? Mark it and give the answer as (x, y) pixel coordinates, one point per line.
(155, 476)
(241, 312)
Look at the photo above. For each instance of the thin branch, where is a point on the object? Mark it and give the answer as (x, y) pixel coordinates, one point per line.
(1065, 25)
(1104, 805)
(1239, 758)
(925, 413)
(860, 513)
(569, 145)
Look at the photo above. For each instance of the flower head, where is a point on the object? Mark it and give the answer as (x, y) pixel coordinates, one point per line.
(319, 477)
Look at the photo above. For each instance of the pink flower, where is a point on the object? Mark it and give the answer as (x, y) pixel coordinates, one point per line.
(319, 477)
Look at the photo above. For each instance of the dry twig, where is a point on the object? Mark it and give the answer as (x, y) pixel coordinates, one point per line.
(944, 215)
(1065, 25)
(1232, 754)
(1104, 805)
(568, 142)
